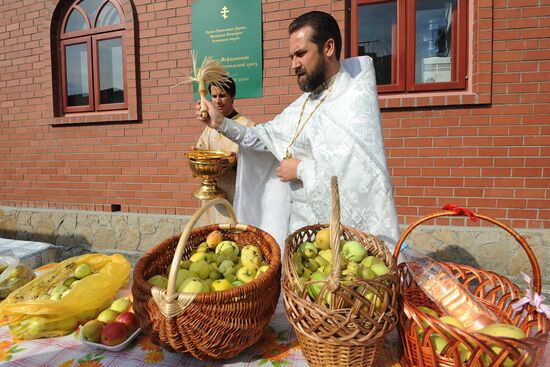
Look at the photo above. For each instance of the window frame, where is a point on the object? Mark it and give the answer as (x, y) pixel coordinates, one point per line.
(92, 36)
(404, 48)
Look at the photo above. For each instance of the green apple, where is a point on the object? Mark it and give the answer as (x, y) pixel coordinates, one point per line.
(326, 254)
(237, 283)
(193, 285)
(108, 315)
(69, 281)
(307, 249)
(214, 274)
(199, 256)
(57, 292)
(121, 305)
(322, 239)
(371, 260)
(315, 289)
(353, 251)
(201, 268)
(221, 285)
(185, 264)
(246, 274)
(184, 274)
(380, 269)
(228, 247)
(506, 331)
(227, 266)
(251, 256)
(82, 271)
(159, 281)
(311, 264)
(321, 260)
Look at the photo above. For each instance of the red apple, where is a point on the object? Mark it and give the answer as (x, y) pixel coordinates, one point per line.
(129, 319)
(114, 333)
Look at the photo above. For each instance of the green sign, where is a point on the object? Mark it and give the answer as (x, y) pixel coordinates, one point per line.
(230, 31)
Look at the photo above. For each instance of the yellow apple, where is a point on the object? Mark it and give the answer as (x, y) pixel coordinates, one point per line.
(221, 285)
(214, 238)
(246, 274)
(108, 315)
(121, 305)
(193, 285)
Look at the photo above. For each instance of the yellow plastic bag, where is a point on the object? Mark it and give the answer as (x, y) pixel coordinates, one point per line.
(30, 315)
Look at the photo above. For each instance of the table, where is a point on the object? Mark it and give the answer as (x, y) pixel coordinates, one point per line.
(277, 347)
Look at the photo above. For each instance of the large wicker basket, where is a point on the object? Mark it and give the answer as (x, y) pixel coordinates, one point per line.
(216, 325)
(464, 348)
(350, 330)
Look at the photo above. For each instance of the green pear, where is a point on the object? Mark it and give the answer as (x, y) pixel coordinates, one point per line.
(321, 260)
(380, 269)
(315, 289)
(371, 260)
(326, 254)
(311, 264)
(353, 251)
(307, 249)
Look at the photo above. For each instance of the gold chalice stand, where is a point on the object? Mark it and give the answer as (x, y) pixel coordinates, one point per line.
(207, 164)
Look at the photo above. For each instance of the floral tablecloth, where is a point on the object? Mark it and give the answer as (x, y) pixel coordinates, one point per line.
(277, 347)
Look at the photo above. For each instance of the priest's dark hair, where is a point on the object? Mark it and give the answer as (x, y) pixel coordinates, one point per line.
(324, 27)
(228, 86)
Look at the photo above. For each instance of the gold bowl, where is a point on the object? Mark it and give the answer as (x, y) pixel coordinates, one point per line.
(209, 164)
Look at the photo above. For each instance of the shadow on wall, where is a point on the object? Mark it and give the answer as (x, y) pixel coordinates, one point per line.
(454, 254)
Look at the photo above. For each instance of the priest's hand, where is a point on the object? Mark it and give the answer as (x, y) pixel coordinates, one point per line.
(288, 169)
(214, 119)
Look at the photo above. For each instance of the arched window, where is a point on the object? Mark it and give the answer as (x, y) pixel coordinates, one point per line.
(92, 57)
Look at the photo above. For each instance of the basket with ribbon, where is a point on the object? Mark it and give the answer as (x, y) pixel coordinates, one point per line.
(429, 339)
(214, 325)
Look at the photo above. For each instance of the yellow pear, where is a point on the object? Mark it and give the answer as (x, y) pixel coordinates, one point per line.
(322, 239)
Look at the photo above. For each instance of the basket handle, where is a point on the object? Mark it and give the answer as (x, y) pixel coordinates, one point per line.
(166, 300)
(333, 279)
(453, 211)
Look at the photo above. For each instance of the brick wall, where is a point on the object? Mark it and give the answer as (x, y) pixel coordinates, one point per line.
(490, 155)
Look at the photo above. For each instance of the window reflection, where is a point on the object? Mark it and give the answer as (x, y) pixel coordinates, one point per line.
(75, 22)
(108, 16)
(76, 59)
(377, 23)
(111, 81)
(433, 40)
(90, 7)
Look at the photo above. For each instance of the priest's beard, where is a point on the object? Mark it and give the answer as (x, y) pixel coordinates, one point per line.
(315, 79)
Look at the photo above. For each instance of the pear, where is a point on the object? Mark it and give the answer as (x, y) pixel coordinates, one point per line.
(322, 239)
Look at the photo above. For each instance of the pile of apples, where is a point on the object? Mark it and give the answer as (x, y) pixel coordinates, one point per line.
(313, 262)
(56, 293)
(113, 325)
(497, 329)
(216, 265)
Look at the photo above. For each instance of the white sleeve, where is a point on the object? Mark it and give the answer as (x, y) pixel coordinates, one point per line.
(241, 135)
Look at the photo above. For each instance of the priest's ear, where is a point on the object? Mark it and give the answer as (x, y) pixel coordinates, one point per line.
(329, 49)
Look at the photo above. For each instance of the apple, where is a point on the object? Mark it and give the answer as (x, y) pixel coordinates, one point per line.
(372, 298)
(158, 281)
(199, 256)
(203, 247)
(322, 239)
(262, 269)
(237, 283)
(380, 269)
(200, 268)
(246, 274)
(129, 319)
(370, 261)
(449, 320)
(326, 254)
(353, 251)
(227, 266)
(221, 285)
(121, 305)
(214, 238)
(428, 311)
(311, 264)
(107, 316)
(193, 285)
(251, 256)
(82, 271)
(114, 333)
(506, 331)
(185, 264)
(69, 281)
(56, 293)
(228, 247)
(91, 331)
(315, 289)
(184, 274)
(308, 250)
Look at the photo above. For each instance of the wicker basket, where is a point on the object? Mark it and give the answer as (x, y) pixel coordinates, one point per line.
(351, 330)
(215, 325)
(495, 291)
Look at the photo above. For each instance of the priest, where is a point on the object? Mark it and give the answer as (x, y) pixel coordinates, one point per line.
(332, 129)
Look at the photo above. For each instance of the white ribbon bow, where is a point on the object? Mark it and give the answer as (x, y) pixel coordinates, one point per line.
(531, 298)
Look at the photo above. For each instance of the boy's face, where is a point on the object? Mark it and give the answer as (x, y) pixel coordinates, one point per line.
(222, 100)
